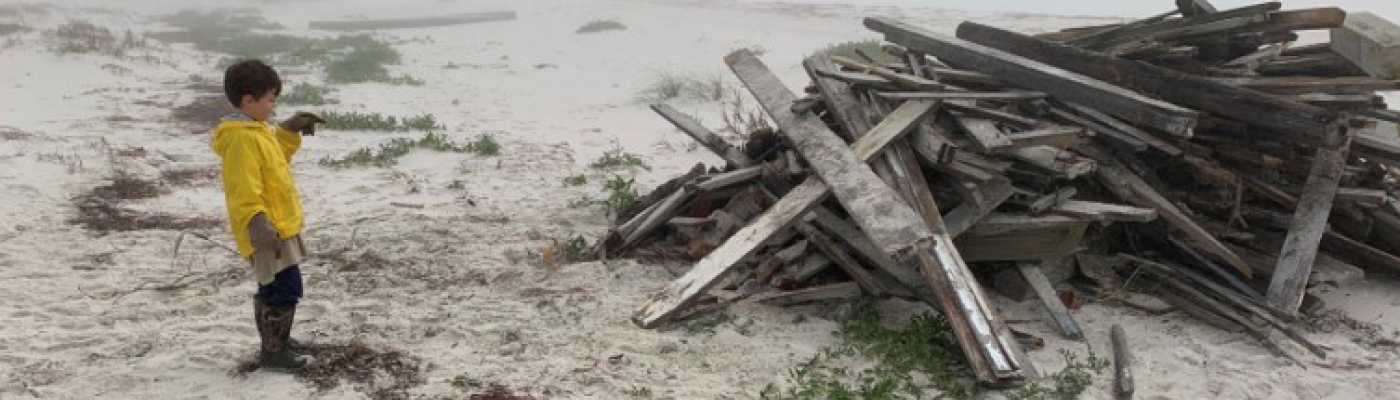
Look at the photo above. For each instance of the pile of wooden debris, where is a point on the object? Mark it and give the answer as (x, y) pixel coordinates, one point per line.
(1197, 151)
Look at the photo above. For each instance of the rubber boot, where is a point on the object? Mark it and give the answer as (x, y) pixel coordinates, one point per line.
(297, 345)
(275, 355)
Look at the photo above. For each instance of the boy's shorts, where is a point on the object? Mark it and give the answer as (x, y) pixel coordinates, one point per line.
(285, 289)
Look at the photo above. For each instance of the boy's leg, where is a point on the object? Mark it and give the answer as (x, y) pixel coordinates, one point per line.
(281, 297)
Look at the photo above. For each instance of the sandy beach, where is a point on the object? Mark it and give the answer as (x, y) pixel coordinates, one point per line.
(430, 256)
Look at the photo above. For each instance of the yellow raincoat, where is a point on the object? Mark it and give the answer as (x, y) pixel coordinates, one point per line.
(258, 177)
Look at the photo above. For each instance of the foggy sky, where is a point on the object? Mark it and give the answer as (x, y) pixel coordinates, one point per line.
(1388, 9)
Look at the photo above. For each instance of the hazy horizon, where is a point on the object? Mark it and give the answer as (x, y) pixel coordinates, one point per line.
(1389, 10)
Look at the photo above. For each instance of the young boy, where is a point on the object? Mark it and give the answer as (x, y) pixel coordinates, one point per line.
(264, 207)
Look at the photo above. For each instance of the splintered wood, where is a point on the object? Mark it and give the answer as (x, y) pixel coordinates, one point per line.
(1196, 155)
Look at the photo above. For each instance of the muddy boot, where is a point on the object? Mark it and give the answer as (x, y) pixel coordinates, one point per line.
(276, 355)
(297, 345)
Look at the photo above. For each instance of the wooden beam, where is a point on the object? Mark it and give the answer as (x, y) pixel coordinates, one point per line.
(986, 137)
(733, 156)
(1150, 32)
(1095, 211)
(779, 217)
(1131, 188)
(833, 292)
(1370, 42)
(1042, 288)
(1023, 95)
(1119, 138)
(842, 259)
(1297, 85)
(1122, 361)
(1036, 75)
(1116, 124)
(1290, 280)
(890, 223)
(1054, 136)
(906, 80)
(991, 194)
(997, 115)
(1310, 123)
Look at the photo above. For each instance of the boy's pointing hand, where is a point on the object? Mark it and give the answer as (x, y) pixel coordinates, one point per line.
(303, 122)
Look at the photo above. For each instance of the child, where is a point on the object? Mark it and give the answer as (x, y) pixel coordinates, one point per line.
(264, 207)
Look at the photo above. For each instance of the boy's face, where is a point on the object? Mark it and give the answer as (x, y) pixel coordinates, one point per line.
(259, 108)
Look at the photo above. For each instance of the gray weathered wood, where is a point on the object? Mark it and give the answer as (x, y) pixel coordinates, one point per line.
(1131, 188)
(1296, 85)
(657, 217)
(906, 80)
(731, 178)
(1061, 162)
(1151, 31)
(1036, 75)
(732, 156)
(997, 115)
(986, 137)
(1120, 138)
(890, 223)
(1122, 363)
(777, 218)
(1370, 42)
(832, 292)
(1309, 123)
(1042, 288)
(963, 95)
(1139, 134)
(842, 259)
(1290, 280)
(1095, 211)
(1054, 136)
(991, 193)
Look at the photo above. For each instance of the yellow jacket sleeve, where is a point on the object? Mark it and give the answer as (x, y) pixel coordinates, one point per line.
(290, 141)
(243, 187)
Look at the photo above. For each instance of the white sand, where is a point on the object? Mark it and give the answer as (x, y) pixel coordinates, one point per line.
(451, 296)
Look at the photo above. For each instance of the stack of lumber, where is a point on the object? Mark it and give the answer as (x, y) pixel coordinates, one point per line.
(1197, 155)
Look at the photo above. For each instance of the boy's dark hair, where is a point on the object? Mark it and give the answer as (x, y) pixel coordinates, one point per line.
(251, 77)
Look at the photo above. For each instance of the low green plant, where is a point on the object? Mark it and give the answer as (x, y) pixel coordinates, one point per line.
(305, 94)
(77, 36)
(618, 194)
(575, 180)
(388, 154)
(665, 85)
(638, 392)
(601, 26)
(464, 382)
(7, 28)
(485, 145)
(617, 158)
(921, 360)
(378, 122)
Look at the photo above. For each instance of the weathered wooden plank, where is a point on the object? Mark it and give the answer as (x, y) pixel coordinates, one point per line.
(1123, 127)
(1297, 85)
(1191, 8)
(778, 217)
(658, 217)
(1024, 243)
(1370, 42)
(986, 137)
(1106, 132)
(1342, 101)
(1149, 32)
(1036, 75)
(1310, 123)
(1022, 95)
(1290, 280)
(1054, 136)
(733, 156)
(997, 115)
(890, 223)
(838, 256)
(1095, 211)
(991, 193)
(1042, 288)
(961, 76)
(1122, 360)
(1325, 64)
(1131, 188)
(727, 179)
(1062, 162)
(855, 78)
(832, 292)
(906, 80)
